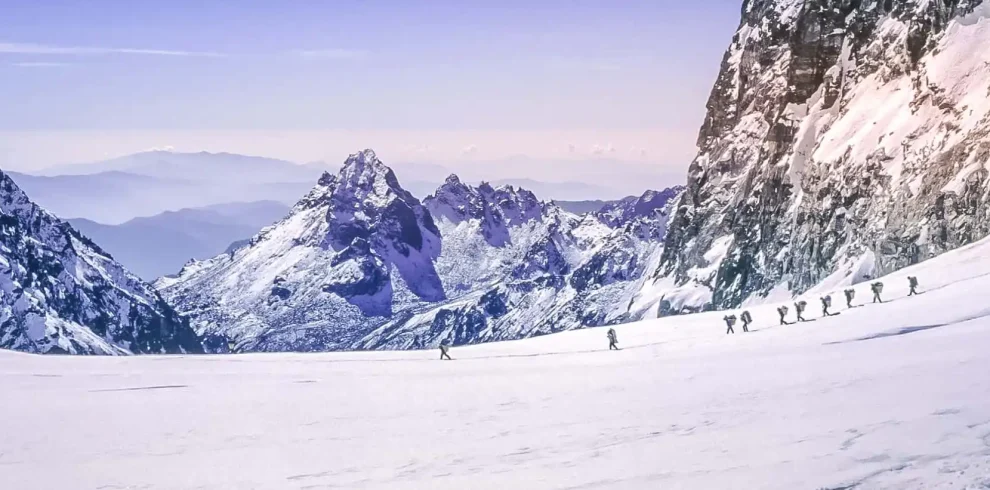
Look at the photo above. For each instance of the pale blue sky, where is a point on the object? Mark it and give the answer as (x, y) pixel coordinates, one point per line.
(447, 79)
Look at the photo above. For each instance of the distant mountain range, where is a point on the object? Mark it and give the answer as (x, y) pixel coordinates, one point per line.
(147, 184)
(113, 197)
(361, 263)
(158, 245)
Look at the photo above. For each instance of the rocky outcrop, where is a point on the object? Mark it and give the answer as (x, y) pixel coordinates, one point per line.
(61, 293)
(844, 139)
(624, 211)
(457, 202)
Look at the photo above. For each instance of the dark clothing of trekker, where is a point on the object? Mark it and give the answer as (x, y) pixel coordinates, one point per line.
(877, 288)
(613, 340)
(443, 352)
(913, 283)
(850, 293)
(783, 314)
(730, 320)
(826, 303)
(799, 309)
(746, 319)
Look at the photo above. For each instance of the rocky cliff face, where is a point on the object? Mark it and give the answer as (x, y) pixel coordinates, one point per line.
(844, 139)
(361, 264)
(628, 210)
(60, 293)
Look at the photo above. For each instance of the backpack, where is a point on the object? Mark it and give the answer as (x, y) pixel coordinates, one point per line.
(913, 281)
(877, 287)
(800, 305)
(730, 319)
(782, 310)
(746, 317)
(850, 293)
(827, 301)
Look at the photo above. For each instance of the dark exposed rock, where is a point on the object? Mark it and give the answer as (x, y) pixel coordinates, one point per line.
(61, 293)
(792, 213)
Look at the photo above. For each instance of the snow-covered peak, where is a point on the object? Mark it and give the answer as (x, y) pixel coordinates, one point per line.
(363, 168)
(517, 205)
(61, 293)
(648, 205)
(495, 209)
(360, 263)
(457, 201)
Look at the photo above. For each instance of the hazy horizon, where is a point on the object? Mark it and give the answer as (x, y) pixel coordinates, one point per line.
(450, 84)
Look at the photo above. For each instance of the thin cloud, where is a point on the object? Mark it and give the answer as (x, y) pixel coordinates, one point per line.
(470, 150)
(40, 64)
(333, 54)
(45, 49)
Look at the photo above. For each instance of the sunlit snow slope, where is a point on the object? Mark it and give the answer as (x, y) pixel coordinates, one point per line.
(893, 396)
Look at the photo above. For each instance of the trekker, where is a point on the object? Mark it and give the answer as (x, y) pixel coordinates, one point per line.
(850, 294)
(730, 320)
(613, 340)
(826, 303)
(783, 314)
(799, 309)
(746, 319)
(913, 282)
(443, 352)
(877, 288)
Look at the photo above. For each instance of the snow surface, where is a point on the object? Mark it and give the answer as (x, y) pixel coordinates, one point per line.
(892, 396)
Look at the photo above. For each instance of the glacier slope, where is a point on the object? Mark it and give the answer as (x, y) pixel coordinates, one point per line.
(892, 396)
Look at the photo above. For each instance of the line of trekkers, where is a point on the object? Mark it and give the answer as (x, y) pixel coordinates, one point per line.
(747, 318)
(800, 306)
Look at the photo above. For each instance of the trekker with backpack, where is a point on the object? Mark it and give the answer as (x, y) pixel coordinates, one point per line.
(913, 283)
(877, 288)
(613, 340)
(799, 309)
(850, 294)
(782, 311)
(730, 320)
(826, 303)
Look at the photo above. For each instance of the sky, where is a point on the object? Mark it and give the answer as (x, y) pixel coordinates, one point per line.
(438, 81)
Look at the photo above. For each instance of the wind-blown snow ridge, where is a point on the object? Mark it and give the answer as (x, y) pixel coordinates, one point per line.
(360, 263)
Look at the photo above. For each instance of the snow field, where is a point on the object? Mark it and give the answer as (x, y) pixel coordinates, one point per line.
(880, 396)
